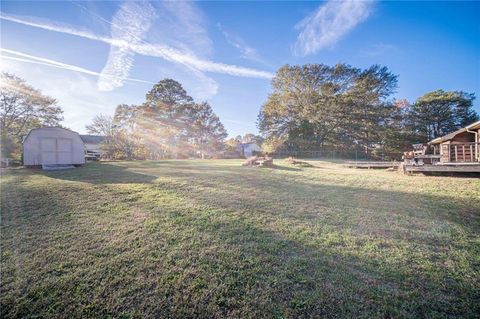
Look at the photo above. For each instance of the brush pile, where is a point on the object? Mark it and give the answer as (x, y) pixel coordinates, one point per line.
(295, 162)
(257, 161)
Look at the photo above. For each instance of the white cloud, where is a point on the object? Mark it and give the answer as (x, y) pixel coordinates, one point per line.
(329, 23)
(192, 60)
(129, 24)
(178, 23)
(208, 87)
(27, 58)
(174, 19)
(247, 51)
(181, 24)
(155, 50)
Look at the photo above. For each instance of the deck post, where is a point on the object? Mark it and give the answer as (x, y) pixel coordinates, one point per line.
(456, 154)
(471, 153)
(449, 153)
(463, 151)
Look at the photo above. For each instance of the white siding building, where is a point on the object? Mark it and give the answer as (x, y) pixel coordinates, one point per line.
(247, 149)
(53, 146)
(93, 144)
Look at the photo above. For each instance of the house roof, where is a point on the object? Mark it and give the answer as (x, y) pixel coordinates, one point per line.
(474, 126)
(92, 139)
(448, 137)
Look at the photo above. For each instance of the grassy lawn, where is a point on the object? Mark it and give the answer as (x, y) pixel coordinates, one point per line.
(213, 239)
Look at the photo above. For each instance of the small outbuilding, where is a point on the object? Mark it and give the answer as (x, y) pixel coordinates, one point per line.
(461, 146)
(53, 146)
(249, 149)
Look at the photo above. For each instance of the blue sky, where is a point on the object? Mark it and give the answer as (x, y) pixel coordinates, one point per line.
(92, 56)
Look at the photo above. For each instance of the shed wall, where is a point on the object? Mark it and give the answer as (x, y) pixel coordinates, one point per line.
(53, 146)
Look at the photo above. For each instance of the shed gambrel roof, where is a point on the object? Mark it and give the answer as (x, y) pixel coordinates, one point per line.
(48, 128)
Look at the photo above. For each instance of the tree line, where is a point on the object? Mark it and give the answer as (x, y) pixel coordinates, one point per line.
(342, 108)
(312, 108)
(169, 124)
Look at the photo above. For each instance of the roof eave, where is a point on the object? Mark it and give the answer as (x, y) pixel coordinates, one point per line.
(473, 126)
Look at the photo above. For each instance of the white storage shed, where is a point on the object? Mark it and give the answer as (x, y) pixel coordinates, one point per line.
(53, 146)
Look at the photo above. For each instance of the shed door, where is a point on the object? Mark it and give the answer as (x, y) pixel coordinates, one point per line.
(48, 148)
(64, 151)
(56, 151)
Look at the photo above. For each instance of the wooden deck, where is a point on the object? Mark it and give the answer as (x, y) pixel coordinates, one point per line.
(372, 164)
(445, 168)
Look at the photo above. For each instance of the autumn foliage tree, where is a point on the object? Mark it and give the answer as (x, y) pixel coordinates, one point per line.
(22, 108)
(349, 110)
(169, 124)
(316, 106)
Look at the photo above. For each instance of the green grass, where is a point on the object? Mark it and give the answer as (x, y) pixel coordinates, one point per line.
(213, 239)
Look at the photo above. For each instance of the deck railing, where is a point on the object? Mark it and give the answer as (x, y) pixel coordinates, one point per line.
(465, 152)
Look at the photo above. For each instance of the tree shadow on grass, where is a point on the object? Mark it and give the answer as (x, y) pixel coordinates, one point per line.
(196, 262)
(244, 188)
(100, 173)
(451, 175)
(220, 252)
(291, 279)
(281, 168)
(235, 187)
(391, 215)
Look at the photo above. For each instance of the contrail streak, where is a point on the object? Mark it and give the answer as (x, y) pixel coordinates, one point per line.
(23, 57)
(161, 51)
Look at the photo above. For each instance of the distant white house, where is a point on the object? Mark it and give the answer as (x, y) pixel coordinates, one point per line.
(248, 149)
(53, 146)
(92, 144)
